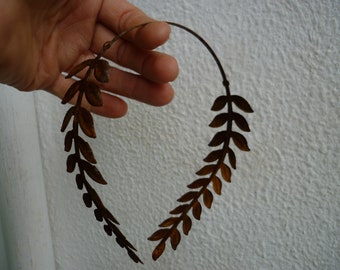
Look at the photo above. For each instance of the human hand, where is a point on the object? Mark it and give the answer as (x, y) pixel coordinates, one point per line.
(53, 36)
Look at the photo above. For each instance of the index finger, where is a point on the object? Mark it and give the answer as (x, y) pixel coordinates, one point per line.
(120, 15)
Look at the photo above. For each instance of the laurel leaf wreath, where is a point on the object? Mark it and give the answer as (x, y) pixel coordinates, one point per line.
(210, 175)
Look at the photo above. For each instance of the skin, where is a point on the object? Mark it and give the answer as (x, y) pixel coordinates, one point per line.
(44, 38)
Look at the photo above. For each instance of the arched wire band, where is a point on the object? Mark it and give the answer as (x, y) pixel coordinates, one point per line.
(211, 51)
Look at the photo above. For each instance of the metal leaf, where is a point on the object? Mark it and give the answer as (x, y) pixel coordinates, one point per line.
(219, 103)
(78, 68)
(70, 93)
(68, 140)
(168, 222)
(71, 163)
(86, 122)
(93, 172)
(199, 183)
(87, 200)
(159, 234)
(206, 170)
(197, 210)
(95, 197)
(133, 256)
(241, 122)
(188, 196)
(121, 241)
(118, 233)
(80, 181)
(232, 158)
(219, 120)
(219, 138)
(98, 214)
(240, 141)
(226, 172)
(157, 252)
(67, 118)
(107, 214)
(108, 230)
(179, 209)
(207, 198)
(217, 184)
(101, 71)
(175, 238)
(241, 103)
(213, 156)
(86, 150)
(128, 244)
(187, 223)
(93, 94)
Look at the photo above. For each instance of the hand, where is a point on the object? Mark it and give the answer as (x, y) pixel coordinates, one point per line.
(47, 37)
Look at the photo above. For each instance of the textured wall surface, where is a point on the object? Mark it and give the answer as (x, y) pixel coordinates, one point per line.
(281, 210)
(25, 241)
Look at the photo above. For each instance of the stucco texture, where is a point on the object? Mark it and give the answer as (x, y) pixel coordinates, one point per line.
(281, 210)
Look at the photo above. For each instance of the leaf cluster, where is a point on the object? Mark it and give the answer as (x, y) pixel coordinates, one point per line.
(83, 156)
(210, 175)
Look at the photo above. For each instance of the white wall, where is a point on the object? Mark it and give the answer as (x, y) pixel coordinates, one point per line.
(25, 243)
(281, 210)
